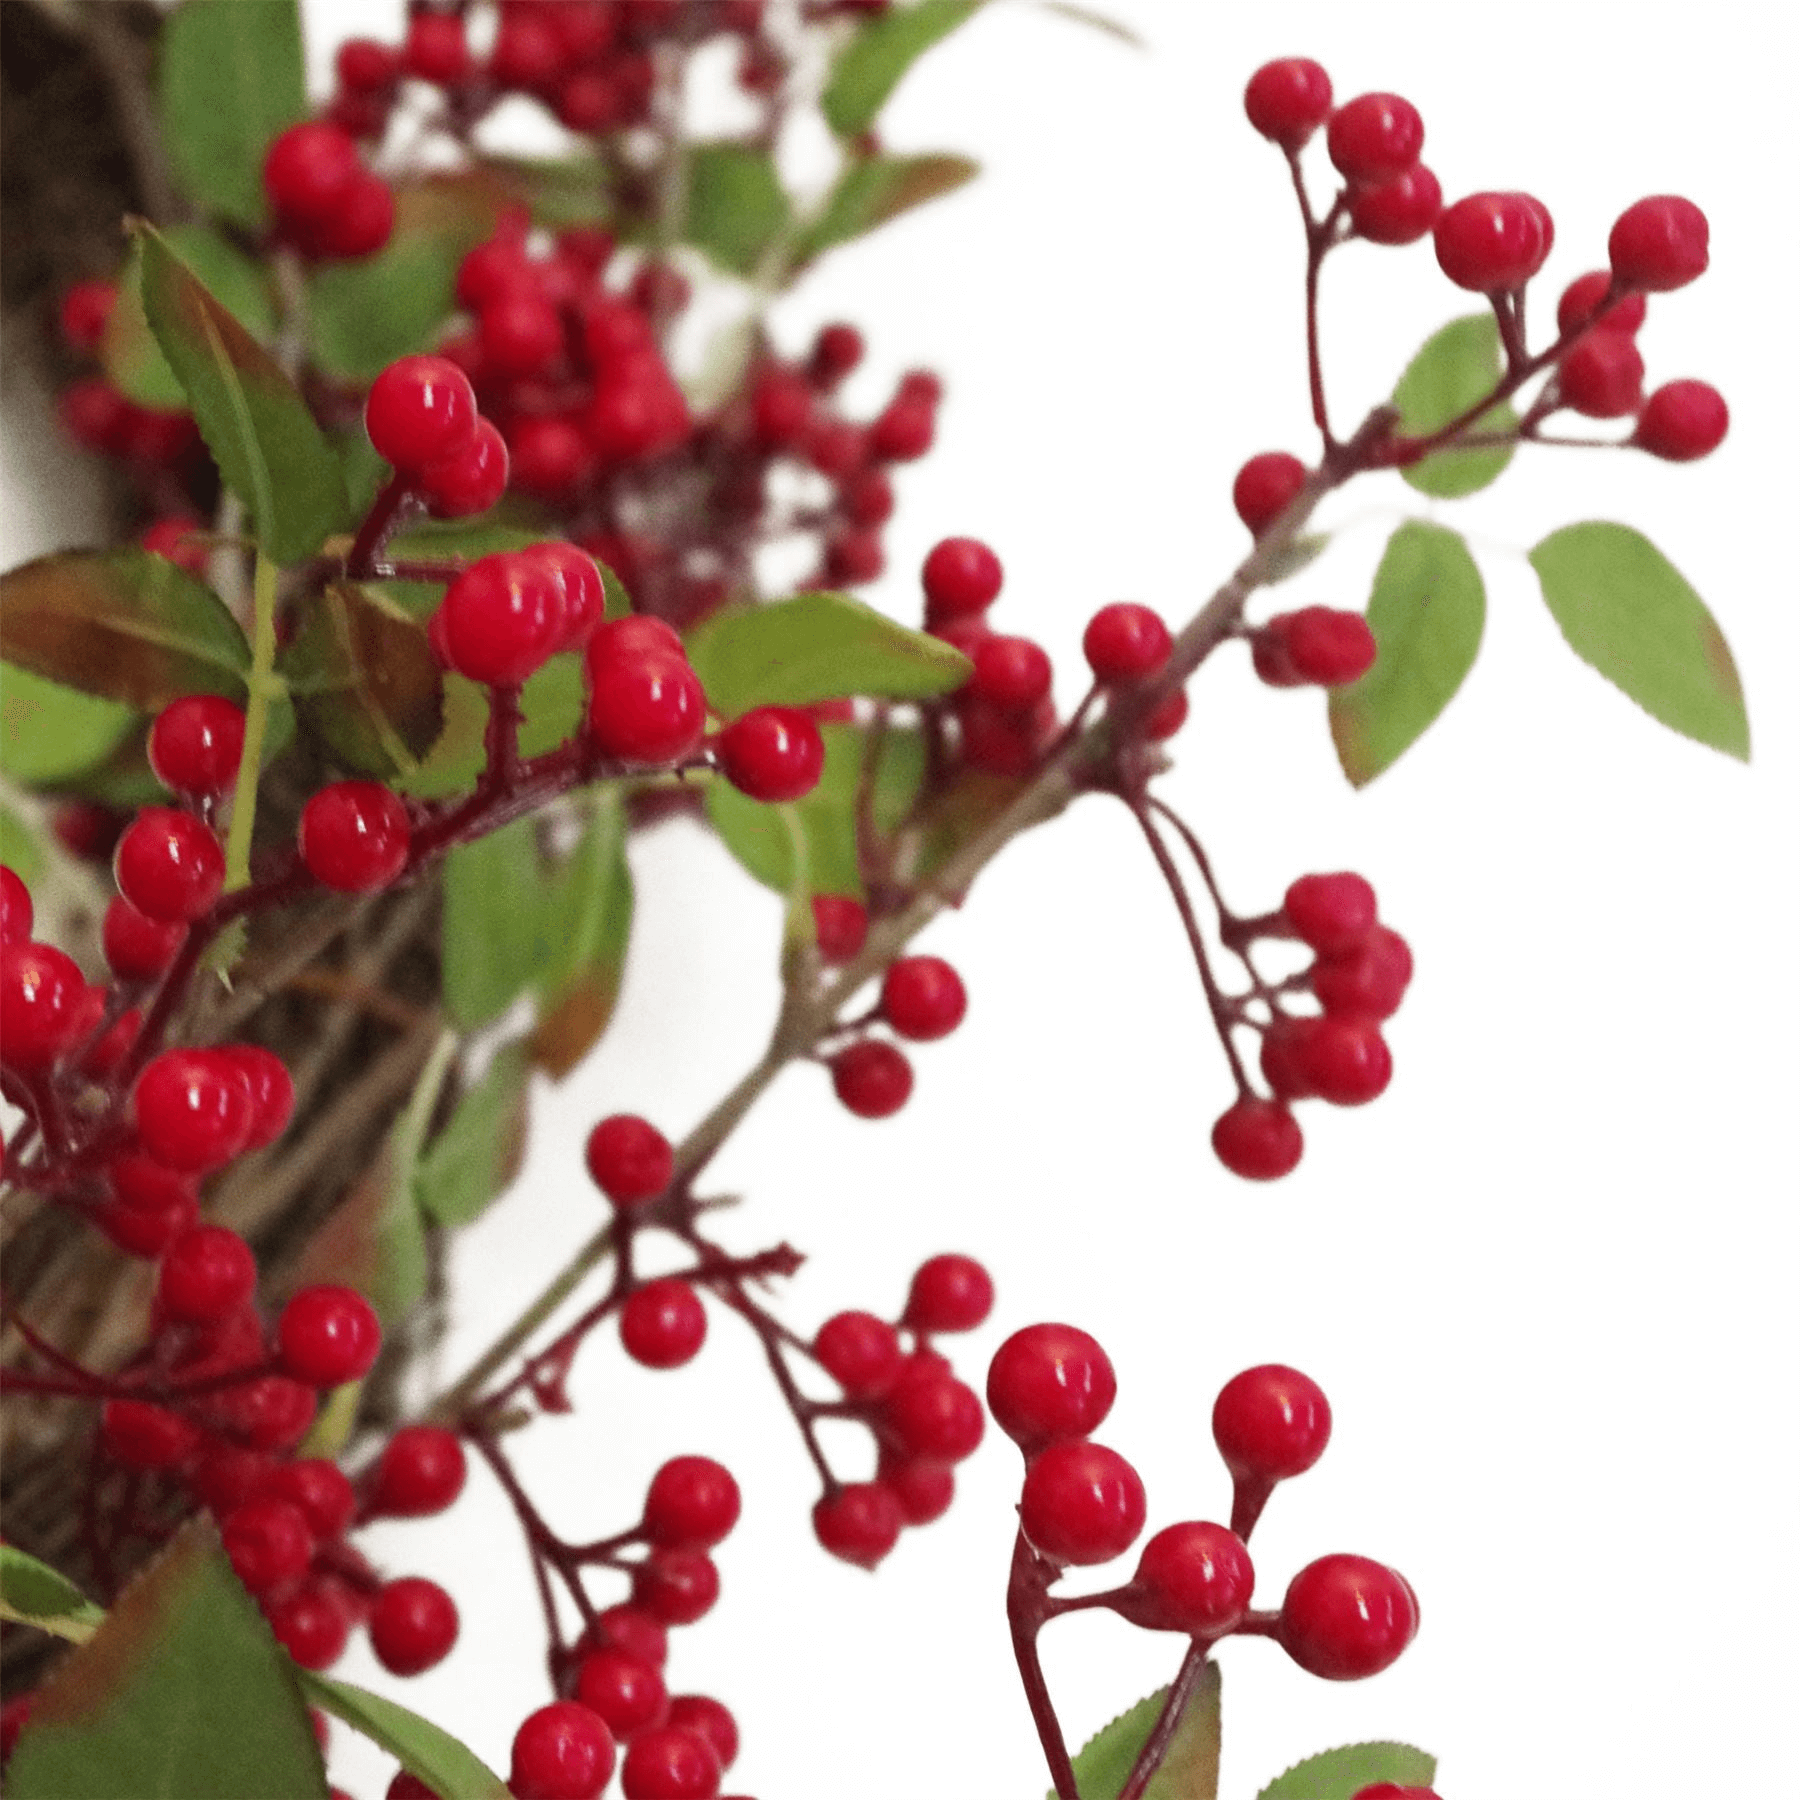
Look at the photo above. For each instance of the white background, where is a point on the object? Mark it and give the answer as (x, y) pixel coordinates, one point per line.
(1548, 1281)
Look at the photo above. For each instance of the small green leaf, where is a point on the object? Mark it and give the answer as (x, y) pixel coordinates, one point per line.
(591, 900)
(1627, 611)
(123, 625)
(874, 189)
(1426, 609)
(870, 66)
(364, 314)
(269, 449)
(49, 732)
(497, 939)
(817, 647)
(552, 701)
(1453, 369)
(464, 1167)
(21, 849)
(1342, 1774)
(1190, 1767)
(32, 1593)
(447, 1767)
(232, 77)
(736, 207)
(181, 1694)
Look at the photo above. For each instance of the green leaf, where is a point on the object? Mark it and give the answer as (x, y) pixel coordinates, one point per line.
(269, 449)
(364, 679)
(232, 77)
(1426, 609)
(182, 1694)
(32, 1593)
(131, 355)
(1190, 1767)
(465, 1166)
(364, 314)
(869, 67)
(591, 900)
(497, 939)
(1453, 369)
(874, 189)
(559, 190)
(123, 625)
(447, 1767)
(1630, 613)
(1341, 1774)
(736, 207)
(817, 647)
(552, 701)
(21, 849)
(49, 732)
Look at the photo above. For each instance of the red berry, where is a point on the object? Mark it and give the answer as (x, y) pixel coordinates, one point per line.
(151, 1206)
(360, 226)
(310, 1626)
(269, 1542)
(1333, 913)
(1601, 375)
(503, 618)
(1658, 244)
(320, 1489)
(1288, 100)
(1318, 645)
(1682, 421)
(1368, 982)
(412, 1625)
(169, 865)
(526, 52)
(405, 1786)
(563, 1751)
(1265, 486)
(142, 1436)
(668, 1763)
(1581, 301)
(872, 1078)
(365, 66)
(436, 49)
(1400, 211)
(781, 408)
(1125, 642)
(923, 998)
(663, 1324)
(1193, 1578)
(1345, 1061)
(933, 1416)
(521, 333)
(354, 836)
(860, 1352)
(96, 415)
(629, 1159)
(206, 1273)
(194, 1110)
(469, 480)
(1012, 674)
(1271, 1423)
(172, 538)
(226, 1475)
(577, 579)
(1048, 1382)
(1257, 1140)
(905, 430)
(82, 317)
(859, 1522)
(1492, 243)
(1346, 1617)
(1391, 1790)
(1375, 137)
(195, 744)
(635, 1631)
(420, 1471)
(549, 456)
(842, 925)
(42, 1005)
(707, 1718)
(271, 1090)
(835, 352)
(922, 1488)
(308, 172)
(949, 1293)
(962, 576)
(867, 497)
(270, 1413)
(675, 1586)
(773, 753)
(645, 704)
(420, 410)
(692, 1504)
(328, 1335)
(15, 908)
(627, 1693)
(854, 556)
(1081, 1502)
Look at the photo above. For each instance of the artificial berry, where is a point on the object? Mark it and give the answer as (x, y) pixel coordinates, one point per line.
(577, 578)
(949, 1293)
(962, 577)
(271, 1090)
(1048, 1382)
(1271, 1423)
(841, 924)
(675, 1586)
(194, 1110)
(206, 1273)
(1658, 244)
(922, 1487)
(835, 352)
(773, 753)
(1375, 137)
(781, 408)
(1682, 421)
(1081, 1503)
(1012, 674)
(269, 1542)
(854, 556)
(469, 480)
(627, 1693)
(1392, 1790)
(1492, 243)
(15, 907)
(526, 52)
(1257, 1140)
(692, 1504)
(308, 173)
(173, 539)
(142, 1436)
(1194, 1578)
(269, 1413)
(355, 836)
(923, 998)
(1345, 1061)
(1601, 375)
(1579, 309)
(1288, 100)
(366, 66)
(1332, 913)
(82, 317)
(42, 1004)
(637, 1632)
(668, 1763)
(1320, 645)
(1400, 211)
(1347, 1617)
(328, 1335)
(629, 1159)
(436, 48)
(169, 865)
(412, 1625)
(872, 1078)
(663, 1324)
(859, 1522)
(860, 1352)
(421, 1470)
(521, 333)
(1368, 982)
(548, 456)
(503, 618)
(195, 745)
(1125, 642)
(1264, 488)
(904, 431)
(420, 410)
(226, 1475)
(645, 705)
(1003, 743)
(320, 1489)
(151, 1206)
(563, 1751)
(707, 1718)
(868, 496)
(933, 1415)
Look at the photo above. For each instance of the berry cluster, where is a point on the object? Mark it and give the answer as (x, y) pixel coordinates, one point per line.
(922, 999)
(325, 202)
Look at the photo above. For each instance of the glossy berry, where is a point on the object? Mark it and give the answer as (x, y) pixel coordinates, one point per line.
(1658, 244)
(692, 1504)
(169, 865)
(309, 171)
(773, 753)
(1317, 646)
(1265, 486)
(1271, 1423)
(663, 1324)
(1375, 137)
(193, 1109)
(859, 1523)
(1332, 913)
(1125, 642)
(310, 1626)
(1390, 1790)
(15, 907)
(644, 705)
(1194, 1578)
(320, 1489)
(962, 577)
(195, 745)
(355, 836)
(923, 998)
(328, 1335)
(842, 925)
(668, 1763)
(1682, 421)
(707, 1718)
(860, 1352)
(1012, 674)
(469, 480)
(1048, 1382)
(1368, 982)
(42, 1005)
(629, 1159)
(949, 1293)
(1346, 1617)
(271, 1090)
(1400, 211)
(1081, 1502)
(675, 1586)
(1601, 375)
(420, 1471)
(412, 1626)
(502, 618)
(1288, 100)
(1345, 1061)
(420, 410)
(1580, 305)
(626, 1692)
(206, 1273)
(150, 1207)
(269, 1542)
(563, 1751)
(933, 1416)
(142, 1436)
(1257, 1140)
(1492, 243)
(872, 1078)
